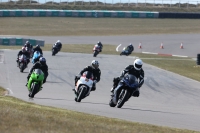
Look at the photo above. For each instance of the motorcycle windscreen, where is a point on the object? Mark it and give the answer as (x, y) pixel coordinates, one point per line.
(22, 57)
(88, 75)
(38, 71)
(130, 80)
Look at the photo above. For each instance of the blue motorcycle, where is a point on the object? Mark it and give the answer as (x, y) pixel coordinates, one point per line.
(36, 57)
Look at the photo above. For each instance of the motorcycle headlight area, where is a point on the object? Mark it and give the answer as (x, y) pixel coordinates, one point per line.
(134, 85)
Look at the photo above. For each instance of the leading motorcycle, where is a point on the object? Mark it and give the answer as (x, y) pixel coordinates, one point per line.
(55, 50)
(129, 85)
(22, 62)
(96, 50)
(35, 82)
(84, 86)
(125, 51)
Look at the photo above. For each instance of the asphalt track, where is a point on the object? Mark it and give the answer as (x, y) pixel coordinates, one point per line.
(166, 99)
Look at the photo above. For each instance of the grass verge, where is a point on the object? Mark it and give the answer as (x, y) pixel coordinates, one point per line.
(18, 116)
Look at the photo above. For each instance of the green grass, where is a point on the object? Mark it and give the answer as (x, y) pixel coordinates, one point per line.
(18, 116)
(62, 26)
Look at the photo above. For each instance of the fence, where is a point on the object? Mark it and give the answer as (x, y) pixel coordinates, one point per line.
(19, 41)
(136, 3)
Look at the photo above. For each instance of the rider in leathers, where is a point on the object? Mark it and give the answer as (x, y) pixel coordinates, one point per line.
(37, 48)
(41, 64)
(136, 70)
(100, 45)
(94, 68)
(23, 51)
(130, 48)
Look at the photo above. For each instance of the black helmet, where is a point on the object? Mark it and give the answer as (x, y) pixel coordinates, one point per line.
(27, 44)
(37, 46)
(42, 60)
(95, 64)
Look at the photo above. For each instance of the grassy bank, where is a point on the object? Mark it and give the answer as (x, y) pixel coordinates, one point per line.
(22, 117)
(60, 26)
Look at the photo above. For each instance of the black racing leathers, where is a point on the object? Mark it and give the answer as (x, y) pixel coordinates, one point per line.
(26, 54)
(130, 48)
(43, 67)
(131, 70)
(37, 49)
(96, 73)
(139, 74)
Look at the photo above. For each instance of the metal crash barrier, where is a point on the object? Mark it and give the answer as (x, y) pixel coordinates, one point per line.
(19, 41)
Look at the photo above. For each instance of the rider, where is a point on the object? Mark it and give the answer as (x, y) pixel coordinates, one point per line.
(130, 47)
(28, 45)
(37, 48)
(41, 64)
(135, 69)
(94, 68)
(58, 45)
(23, 51)
(100, 45)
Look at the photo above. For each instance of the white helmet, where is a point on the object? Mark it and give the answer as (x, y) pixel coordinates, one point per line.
(95, 64)
(138, 64)
(58, 41)
(130, 44)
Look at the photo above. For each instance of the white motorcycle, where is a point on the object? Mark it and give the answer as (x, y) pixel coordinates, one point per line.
(84, 86)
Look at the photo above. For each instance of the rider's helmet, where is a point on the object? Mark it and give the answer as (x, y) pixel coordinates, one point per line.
(42, 60)
(27, 44)
(58, 43)
(37, 46)
(138, 64)
(95, 64)
(98, 42)
(23, 49)
(130, 44)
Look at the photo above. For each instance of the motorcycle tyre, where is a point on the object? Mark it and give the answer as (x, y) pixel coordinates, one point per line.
(34, 89)
(21, 67)
(81, 94)
(124, 98)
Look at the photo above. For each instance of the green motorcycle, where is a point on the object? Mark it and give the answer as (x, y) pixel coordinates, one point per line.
(35, 82)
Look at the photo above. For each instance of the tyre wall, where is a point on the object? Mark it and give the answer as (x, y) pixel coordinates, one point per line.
(19, 41)
(77, 13)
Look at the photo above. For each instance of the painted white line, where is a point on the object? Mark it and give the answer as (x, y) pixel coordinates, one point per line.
(9, 90)
(149, 53)
(1, 58)
(118, 47)
(179, 56)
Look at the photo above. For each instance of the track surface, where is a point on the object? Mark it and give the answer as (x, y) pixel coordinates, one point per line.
(166, 99)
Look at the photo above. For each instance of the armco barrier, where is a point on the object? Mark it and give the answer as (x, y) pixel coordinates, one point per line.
(179, 15)
(77, 13)
(19, 41)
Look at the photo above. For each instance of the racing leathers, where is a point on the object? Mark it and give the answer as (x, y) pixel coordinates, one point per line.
(37, 49)
(96, 73)
(130, 48)
(139, 74)
(26, 54)
(41, 66)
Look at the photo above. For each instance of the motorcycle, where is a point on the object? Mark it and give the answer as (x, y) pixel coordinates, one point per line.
(129, 86)
(96, 50)
(35, 82)
(84, 86)
(36, 56)
(55, 50)
(22, 62)
(125, 51)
